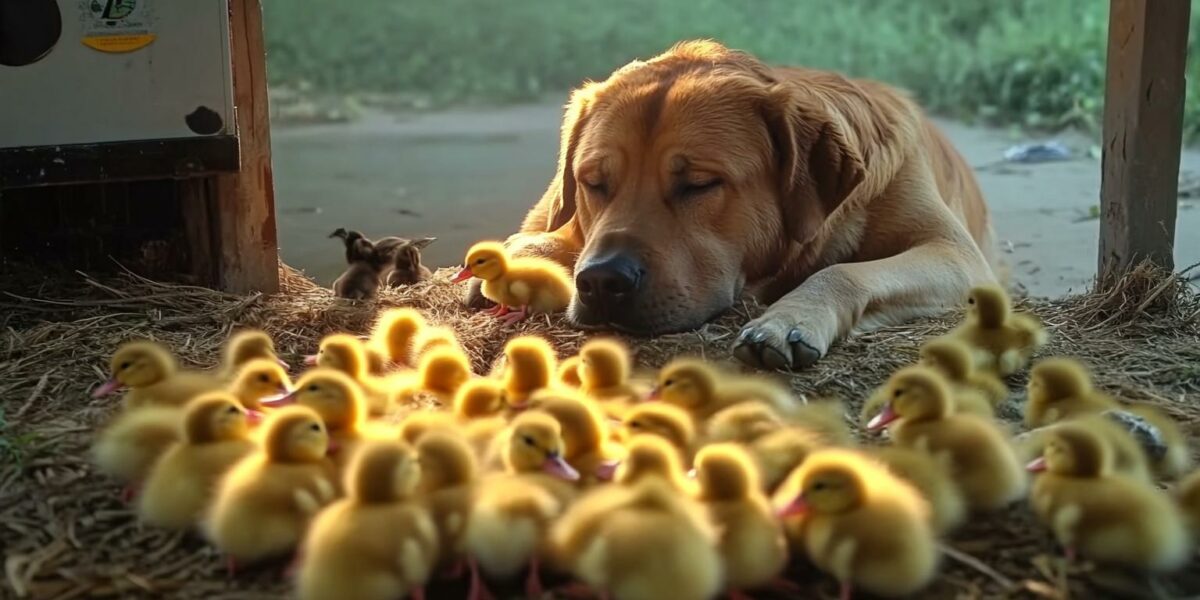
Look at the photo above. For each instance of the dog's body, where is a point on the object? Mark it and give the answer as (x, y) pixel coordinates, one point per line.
(684, 180)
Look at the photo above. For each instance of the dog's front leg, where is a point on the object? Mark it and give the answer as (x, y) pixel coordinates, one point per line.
(799, 329)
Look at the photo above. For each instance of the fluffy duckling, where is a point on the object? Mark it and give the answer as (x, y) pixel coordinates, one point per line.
(244, 346)
(779, 452)
(406, 264)
(645, 541)
(395, 335)
(529, 367)
(1129, 458)
(128, 447)
(584, 432)
(778, 446)
(981, 460)
(702, 390)
(603, 372)
(654, 457)
(752, 545)
(339, 402)
(859, 523)
(1102, 516)
(479, 399)
(264, 504)
(153, 377)
(379, 543)
(347, 354)
(947, 506)
(1003, 341)
(361, 279)
(181, 484)
(513, 512)
(257, 379)
(568, 372)
(440, 374)
(953, 359)
(742, 423)
(1061, 388)
(529, 285)
(1188, 494)
(448, 486)
(432, 338)
(669, 422)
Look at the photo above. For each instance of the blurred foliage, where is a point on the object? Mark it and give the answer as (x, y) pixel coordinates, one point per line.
(1035, 63)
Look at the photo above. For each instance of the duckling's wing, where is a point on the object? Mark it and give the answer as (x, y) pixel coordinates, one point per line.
(520, 291)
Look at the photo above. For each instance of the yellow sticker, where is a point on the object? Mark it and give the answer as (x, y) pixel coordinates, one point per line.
(119, 43)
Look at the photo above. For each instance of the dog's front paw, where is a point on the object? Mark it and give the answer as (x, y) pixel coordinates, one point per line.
(775, 342)
(474, 299)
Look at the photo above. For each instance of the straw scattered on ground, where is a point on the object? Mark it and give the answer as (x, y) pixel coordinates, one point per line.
(66, 535)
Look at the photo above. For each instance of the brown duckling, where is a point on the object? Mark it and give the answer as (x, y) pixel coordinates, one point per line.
(378, 543)
(981, 460)
(182, 482)
(1002, 341)
(264, 503)
(406, 262)
(153, 377)
(362, 278)
(1103, 516)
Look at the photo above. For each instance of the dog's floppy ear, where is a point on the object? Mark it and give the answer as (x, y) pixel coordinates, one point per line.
(562, 201)
(819, 165)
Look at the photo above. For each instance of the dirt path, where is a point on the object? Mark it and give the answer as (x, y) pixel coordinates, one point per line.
(471, 174)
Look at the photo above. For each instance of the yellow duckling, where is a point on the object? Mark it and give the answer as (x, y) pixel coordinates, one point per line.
(669, 422)
(337, 399)
(513, 512)
(1003, 341)
(778, 453)
(264, 504)
(702, 390)
(604, 372)
(529, 285)
(479, 399)
(645, 537)
(448, 486)
(529, 367)
(258, 379)
(568, 372)
(244, 346)
(584, 432)
(1129, 458)
(153, 377)
(947, 506)
(981, 460)
(1102, 516)
(859, 523)
(379, 543)
(181, 483)
(396, 333)
(347, 354)
(742, 423)
(752, 545)
(418, 423)
(778, 446)
(953, 359)
(1188, 494)
(442, 371)
(128, 447)
(1061, 388)
(437, 337)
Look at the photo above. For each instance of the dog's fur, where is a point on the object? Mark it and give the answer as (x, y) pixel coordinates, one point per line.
(836, 200)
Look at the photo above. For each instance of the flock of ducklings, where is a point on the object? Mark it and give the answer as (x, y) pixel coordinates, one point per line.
(686, 483)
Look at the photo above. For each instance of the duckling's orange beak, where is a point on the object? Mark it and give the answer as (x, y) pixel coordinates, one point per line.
(107, 388)
(281, 400)
(557, 466)
(796, 507)
(607, 470)
(463, 275)
(310, 360)
(655, 393)
(1036, 465)
(253, 417)
(885, 417)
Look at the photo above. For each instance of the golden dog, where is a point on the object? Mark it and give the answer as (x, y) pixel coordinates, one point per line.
(688, 178)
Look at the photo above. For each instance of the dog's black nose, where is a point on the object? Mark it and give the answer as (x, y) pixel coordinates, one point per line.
(609, 281)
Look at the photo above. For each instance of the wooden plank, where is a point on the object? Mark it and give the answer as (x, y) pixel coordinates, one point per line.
(1143, 122)
(196, 197)
(115, 161)
(248, 255)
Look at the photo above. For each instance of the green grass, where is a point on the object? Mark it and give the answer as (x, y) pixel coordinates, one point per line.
(1034, 63)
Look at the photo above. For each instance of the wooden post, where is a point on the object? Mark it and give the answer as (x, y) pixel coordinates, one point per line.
(247, 241)
(1143, 122)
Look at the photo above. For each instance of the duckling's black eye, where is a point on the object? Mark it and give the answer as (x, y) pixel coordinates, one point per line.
(897, 393)
(233, 410)
(668, 382)
(970, 301)
(481, 261)
(124, 365)
(263, 378)
(528, 440)
(313, 388)
(315, 427)
(818, 486)
(635, 424)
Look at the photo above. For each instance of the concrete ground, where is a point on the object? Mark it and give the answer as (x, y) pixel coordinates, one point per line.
(467, 175)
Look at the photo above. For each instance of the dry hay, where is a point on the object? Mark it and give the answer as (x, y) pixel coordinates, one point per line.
(67, 535)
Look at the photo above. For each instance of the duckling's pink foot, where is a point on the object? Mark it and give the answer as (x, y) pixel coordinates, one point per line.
(478, 589)
(129, 493)
(516, 316)
(533, 583)
(846, 591)
(498, 310)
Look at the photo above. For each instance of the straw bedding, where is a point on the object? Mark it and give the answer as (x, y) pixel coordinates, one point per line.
(65, 533)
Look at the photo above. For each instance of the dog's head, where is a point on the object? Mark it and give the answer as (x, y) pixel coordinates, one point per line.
(687, 176)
